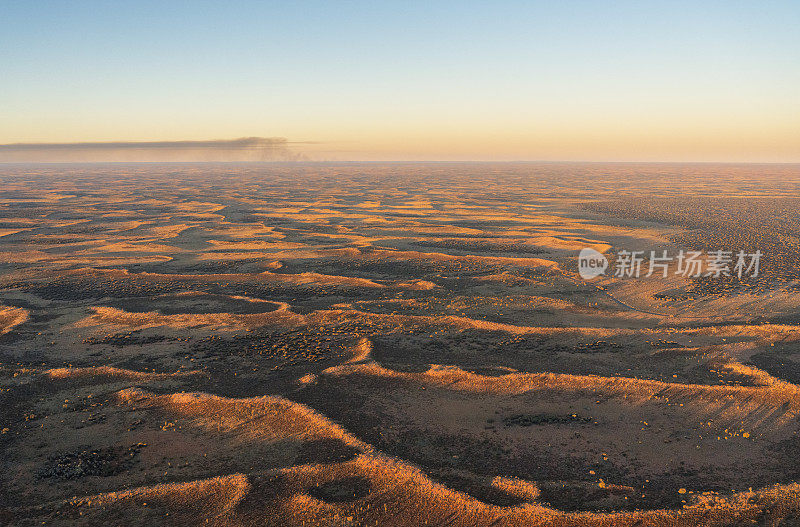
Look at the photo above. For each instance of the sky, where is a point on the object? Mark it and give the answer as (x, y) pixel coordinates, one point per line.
(381, 80)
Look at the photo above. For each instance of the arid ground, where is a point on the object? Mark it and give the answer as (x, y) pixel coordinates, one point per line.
(395, 344)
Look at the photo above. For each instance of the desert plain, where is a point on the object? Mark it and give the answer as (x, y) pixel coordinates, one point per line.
(395, 344)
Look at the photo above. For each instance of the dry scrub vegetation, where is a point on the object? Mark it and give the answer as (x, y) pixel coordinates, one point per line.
(394, 345)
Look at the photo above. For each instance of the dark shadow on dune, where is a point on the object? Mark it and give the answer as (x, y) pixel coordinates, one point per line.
(496, 353)
(342, 490)
(194, 303)
(325, 451)
(777, 365)
(479, 488)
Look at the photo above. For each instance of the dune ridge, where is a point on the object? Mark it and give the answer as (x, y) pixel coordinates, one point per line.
(395, 492)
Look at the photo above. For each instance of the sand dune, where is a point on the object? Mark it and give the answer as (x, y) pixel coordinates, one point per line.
(11, 317)
(366, 489)
(410, 344)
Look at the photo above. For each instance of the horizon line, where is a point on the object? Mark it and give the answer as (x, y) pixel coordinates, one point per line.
(401, 161)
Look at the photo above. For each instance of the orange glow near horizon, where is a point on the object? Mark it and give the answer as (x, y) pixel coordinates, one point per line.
(531, 81)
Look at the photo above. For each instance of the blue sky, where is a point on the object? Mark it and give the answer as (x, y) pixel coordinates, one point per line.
(412, 80)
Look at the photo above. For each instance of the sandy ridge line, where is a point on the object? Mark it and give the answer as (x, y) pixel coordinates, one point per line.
(285, 317)
(455, 378)
(111, 371)
(250, 416)
(396, 484)
(409, 494)
(11, 317)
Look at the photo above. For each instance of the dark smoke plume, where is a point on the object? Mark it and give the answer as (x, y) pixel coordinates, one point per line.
(242, 149)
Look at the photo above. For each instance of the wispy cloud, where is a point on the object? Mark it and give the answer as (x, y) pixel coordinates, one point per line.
(241, 149)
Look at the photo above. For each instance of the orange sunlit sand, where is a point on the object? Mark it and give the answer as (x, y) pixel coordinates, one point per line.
(403, 264)
(392, 351)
